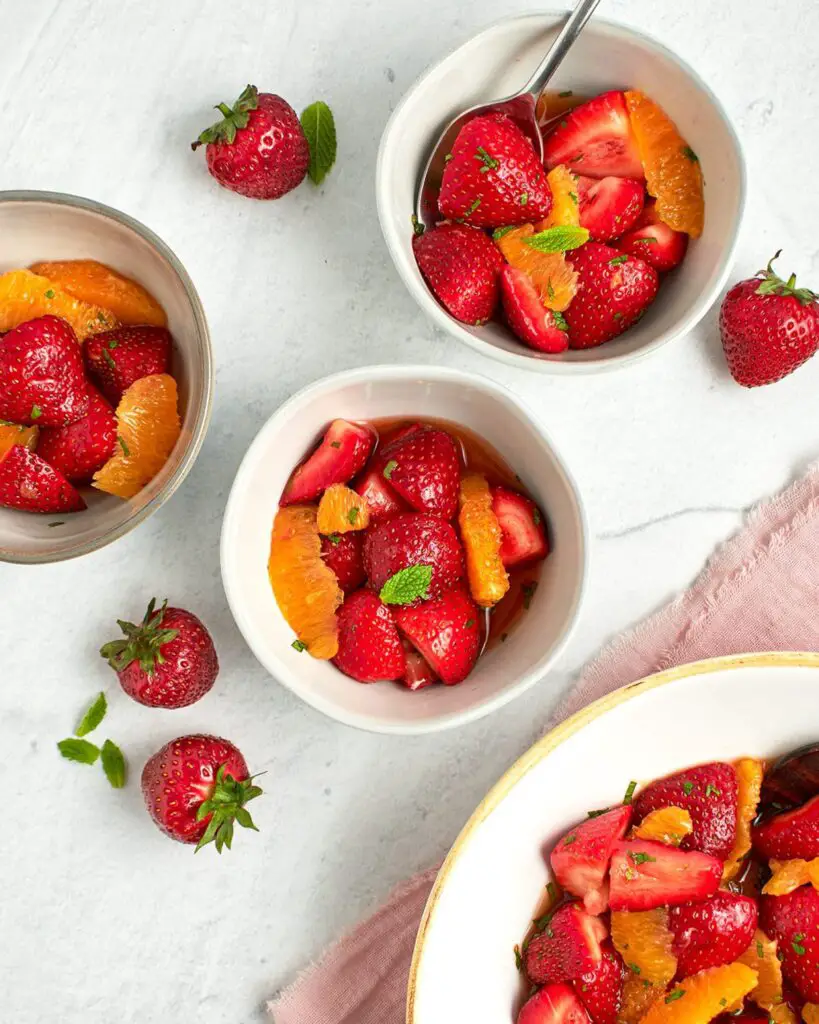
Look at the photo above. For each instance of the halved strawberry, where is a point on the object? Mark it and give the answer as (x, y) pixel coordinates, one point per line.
(609, 206)
(461, 266)
(447, 633)
(790, 835)
(81, 448)
(568, 946)
(581, 858)
(653, 241)
(28, 483)
(411, 540)
(601, 989)
(709, 793)
(425, 469)
(381, 499)
(341, 454)
(344, 554)
(553, 1004)
(793, 920)
(645, 875)
(369, 647)
(712, 933)
(522, 525)
(532, 322)
(418, 673)
(596, 139)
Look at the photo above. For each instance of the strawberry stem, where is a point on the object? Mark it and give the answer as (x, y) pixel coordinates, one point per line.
(233, 118)
(771, 284)
(225, 806)
(142, 643)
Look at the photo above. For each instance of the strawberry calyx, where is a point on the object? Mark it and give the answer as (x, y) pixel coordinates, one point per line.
(142, 643)
(226, 805)
(771, 284)
(233, 118)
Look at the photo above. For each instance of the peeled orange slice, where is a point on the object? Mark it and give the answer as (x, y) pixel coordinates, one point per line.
(703, 996)
(98, 285)
(810, 1013)
(12, 434)
(791, 874)
(553, 277)
(482, 538)
(749, 783)
(306, 590)
(341, 510)
(565, 202)
(669, 825)
(147, 430)
(637, 997)
(673, 173)
(761, 957)
(644, 941)
(25, 296)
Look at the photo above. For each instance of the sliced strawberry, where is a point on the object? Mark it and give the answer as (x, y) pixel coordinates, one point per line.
(344, 554)
(342, 453)
(553, 1004)
(645, 875)
(581, 858)
(790, 835)
(446, 631)
(709, 793)
(523, 527)
(653, 241)
(461, 266)
(712, 933)
(601, 989)
(381, 499)
(418, 673)
(568, 947)
(793, 920)
(28, 483)
(414, 539)
(369, 647)
(596, 139)
(424, 468)
(83, 447)
(531, 321)
(609, 206)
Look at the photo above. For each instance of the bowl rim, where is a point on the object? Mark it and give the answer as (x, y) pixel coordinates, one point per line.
(522, 360)
(375, 374)
(554, 738)
(200, 427)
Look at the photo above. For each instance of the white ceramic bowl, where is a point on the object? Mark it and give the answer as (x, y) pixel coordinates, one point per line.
(492, 882)
(49, 226)
(391, 391)
(497, 62)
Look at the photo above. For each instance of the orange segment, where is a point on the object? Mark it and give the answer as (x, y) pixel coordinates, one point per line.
(99, 285)
(644, 940)
(637, 997)
(24, 296)
(565, 203)
(669, 825)
(703, 996)
(341, 510)
(147, 429)
(790, 874)
(749, 782)
(810, 1013)
(761, 957)
(552, 104)
(553, 277)
(482, 537)
(306, 590)
(673, 173)
(12, 434)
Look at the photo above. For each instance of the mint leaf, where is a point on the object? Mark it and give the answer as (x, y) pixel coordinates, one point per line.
(558, 239)
(407, 585)
(389, 469)
(320, 129)
(615, 260)
(93, 716)
(36, 412)
(113, 764)
(500, 232)
(562, 325)
(78, 750)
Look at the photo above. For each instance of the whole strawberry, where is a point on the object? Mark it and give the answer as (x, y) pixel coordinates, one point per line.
(196, 787)
(30, 484)
(462, 266)
(81, 448)
(168, 661)
(769, 327)
(115, 359)
(259, 149)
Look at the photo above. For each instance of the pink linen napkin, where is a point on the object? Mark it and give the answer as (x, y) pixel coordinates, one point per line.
(759, 592)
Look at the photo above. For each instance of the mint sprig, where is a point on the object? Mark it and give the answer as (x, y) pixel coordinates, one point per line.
(320, 129)
(560, 238)
(407, 585)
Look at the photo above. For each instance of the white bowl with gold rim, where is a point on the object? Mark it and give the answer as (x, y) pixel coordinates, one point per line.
(493, 880)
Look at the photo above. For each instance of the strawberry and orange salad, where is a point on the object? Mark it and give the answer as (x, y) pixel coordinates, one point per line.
(401, 549)
(571, 250)
(689, 902)
(86, 390)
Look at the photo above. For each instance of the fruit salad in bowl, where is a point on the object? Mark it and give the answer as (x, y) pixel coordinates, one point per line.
(605, 249)
(403, 548)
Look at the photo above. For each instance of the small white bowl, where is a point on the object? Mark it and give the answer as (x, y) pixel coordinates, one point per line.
(403, 391)
(51, 226)
(497, 62)
(491, 884)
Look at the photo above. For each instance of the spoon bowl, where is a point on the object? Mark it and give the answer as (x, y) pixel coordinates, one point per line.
(791, 780)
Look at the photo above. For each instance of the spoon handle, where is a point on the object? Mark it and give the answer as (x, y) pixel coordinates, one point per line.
(558, 50)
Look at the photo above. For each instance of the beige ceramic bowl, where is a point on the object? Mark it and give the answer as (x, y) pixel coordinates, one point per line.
(49, 226)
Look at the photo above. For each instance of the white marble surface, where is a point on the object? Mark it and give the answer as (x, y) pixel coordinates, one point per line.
(102, 919)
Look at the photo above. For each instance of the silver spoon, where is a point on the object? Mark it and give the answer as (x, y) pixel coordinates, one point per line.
(520, 107)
